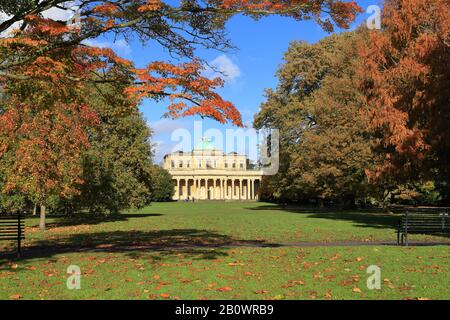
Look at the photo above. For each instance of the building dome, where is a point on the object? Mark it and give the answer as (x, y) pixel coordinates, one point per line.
(205, 144)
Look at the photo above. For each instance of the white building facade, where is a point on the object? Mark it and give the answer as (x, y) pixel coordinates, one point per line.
(209, 174)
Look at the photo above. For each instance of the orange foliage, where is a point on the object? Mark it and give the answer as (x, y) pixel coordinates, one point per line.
(151, 5)
(184, 81)
(406, 82)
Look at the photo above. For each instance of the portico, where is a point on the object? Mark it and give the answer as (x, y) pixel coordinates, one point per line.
(209, 174)
(216, 187)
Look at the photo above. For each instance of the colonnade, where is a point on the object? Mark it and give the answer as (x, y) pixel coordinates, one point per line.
(216, 188)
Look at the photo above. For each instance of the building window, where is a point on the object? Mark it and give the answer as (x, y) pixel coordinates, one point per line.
(241, 165)
(180, 164)
(234, 165)
(215, 163)
(226, 165)
(208, 163)
(172, 164)
(188, 164)
(199, 163)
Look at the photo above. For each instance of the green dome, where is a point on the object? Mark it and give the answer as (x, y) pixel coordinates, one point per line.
(204, 144)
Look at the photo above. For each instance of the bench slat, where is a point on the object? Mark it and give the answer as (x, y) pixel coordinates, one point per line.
(11, 238)
(421, 223)
(11, 229)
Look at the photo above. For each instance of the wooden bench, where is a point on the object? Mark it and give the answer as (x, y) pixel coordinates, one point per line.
(422, 223)
(12, 228)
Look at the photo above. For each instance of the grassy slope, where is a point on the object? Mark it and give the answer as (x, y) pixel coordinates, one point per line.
(239, 273)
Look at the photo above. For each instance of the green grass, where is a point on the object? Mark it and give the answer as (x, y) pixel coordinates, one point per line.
(161, 252)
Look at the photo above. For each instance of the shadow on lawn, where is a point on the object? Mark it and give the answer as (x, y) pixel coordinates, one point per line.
(373, 218)
(197, 244)
(90, 219)
(363, 218)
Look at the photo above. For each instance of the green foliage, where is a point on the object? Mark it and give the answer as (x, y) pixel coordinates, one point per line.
(163, 187)
(117, 168)
(414, 194)
(325, 144)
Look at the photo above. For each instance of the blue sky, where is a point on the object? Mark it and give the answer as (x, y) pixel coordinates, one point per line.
(250, 68)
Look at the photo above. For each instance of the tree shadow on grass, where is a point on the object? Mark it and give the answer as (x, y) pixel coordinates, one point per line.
(197, 244)
(90, 219)
(365, 218)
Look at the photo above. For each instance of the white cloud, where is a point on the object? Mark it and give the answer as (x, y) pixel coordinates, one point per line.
(166, 126)
(58, 14)
(223, 67)
(52, 13)
(121, 46)
(8, 32)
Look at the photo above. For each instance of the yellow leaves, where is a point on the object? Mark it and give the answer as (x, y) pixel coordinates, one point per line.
(356, 290)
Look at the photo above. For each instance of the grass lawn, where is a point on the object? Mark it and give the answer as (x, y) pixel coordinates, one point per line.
(188, 251)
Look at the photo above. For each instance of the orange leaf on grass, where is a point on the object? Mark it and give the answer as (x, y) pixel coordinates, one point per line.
(225, 289)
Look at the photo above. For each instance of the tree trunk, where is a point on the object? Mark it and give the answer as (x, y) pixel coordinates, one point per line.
(321, 203)
(34, 210)
(42, 218)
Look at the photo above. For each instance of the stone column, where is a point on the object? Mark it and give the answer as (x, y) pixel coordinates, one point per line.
(232, 189)
(253, 189)
(246, 189)
(178, 189)
(240, 189)
(222, 192)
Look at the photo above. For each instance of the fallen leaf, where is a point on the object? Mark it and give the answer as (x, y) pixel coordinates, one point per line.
(261, 291)
(225, 289)
(15, 296)
(165, 295)
(356, 290)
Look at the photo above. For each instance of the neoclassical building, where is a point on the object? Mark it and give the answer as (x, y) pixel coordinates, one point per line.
(209, 174)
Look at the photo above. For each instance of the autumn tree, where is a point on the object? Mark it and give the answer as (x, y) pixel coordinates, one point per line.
(45, 67)
(43, 130)
(180, 29)
(325, 144)
(406, 81)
